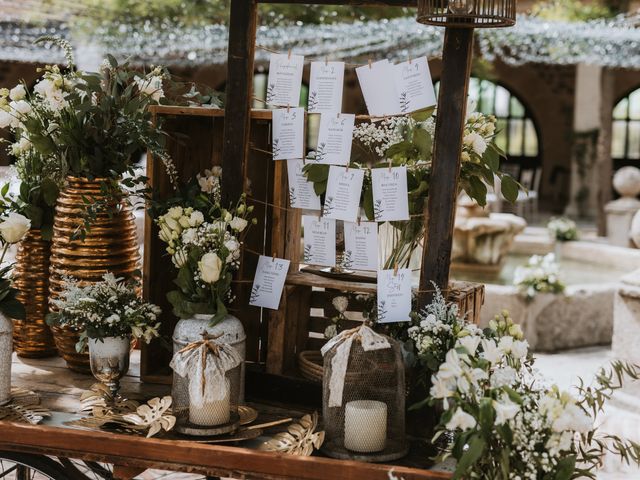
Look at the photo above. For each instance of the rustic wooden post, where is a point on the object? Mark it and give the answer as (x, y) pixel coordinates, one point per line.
(242, 40)
(443, 188)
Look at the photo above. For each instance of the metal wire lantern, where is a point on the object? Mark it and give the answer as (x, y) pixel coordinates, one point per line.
(366, 421)
(467, 13)
(214, 417)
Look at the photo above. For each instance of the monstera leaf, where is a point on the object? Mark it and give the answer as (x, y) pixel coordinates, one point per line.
(299, 439)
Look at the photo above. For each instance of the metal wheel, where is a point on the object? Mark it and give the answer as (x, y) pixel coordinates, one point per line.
(21, 466)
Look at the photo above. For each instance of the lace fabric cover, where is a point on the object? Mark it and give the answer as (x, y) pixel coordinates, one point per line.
(197, 383)
(363, 365)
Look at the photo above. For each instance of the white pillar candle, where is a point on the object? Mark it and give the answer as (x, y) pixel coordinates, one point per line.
(365, 426)
(211, 413)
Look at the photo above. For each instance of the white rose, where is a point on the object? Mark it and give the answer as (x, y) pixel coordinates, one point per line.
(475, 141)
(173, 224)
(238, 224)
(189, 235)
(184, 222)
(520, 348)
(232, 245)
(21, 106)
(14, 227)
(6, 119)
(17, 93)
(196, 219)
(461, 420)
(210, 266)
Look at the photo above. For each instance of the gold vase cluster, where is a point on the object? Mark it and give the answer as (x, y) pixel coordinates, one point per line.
(32, 337)
(110, 245)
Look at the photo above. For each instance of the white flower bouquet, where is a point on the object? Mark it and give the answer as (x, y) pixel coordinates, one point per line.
(110, 308)
(204, 241)
(506, 424)
(13, 228)
(563, 229)
(541, 274)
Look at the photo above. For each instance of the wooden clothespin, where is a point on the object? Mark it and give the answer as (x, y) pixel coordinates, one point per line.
(410, 60)
(370, 64)
(326, 61)
(390, 164)
(359, 218)
(395, 269)
(273, 258)
(288, 108)
(347, 167)
(289, 55)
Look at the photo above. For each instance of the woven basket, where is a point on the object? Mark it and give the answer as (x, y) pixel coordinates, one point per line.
(110, 245)
(32, 337)
(310, 365)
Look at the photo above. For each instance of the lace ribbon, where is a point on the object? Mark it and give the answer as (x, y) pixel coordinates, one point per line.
(205, 363)
(369, 340)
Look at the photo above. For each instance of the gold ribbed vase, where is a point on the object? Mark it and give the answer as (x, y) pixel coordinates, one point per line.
(110, 245)
(32, 337)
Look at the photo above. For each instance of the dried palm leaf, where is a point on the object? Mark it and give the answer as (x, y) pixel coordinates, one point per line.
(154, 416)
(299, 439)
(100, 403)
(32, 414)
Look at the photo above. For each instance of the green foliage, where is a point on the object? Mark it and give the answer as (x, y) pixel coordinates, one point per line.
(572, 10)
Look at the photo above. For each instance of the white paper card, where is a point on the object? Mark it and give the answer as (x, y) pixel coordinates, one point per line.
(319, 240)
(288, 133)
(269, 282)
(361, 246)
(335, 138)
(394, 295)
(342, 200)
(390, 195)
(301, 192)
(378, 88)
(325, 87)
(414, 85)
(285, 80)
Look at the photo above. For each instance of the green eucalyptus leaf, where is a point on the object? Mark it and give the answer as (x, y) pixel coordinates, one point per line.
(492, 159)
(477, 191)
(509, 188)
(422, 140)
(423, 115)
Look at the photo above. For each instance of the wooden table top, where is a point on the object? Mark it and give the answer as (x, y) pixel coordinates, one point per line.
(60, 390)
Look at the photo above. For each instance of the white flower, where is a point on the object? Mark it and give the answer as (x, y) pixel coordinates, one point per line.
(228, 217)
(440, 388)
(17, 93)
(519, 349)
(505, 344)
(173, 224)
(340, 303)
(14, 227)
(196, 218)
(180, 257)
(216, 171)
(505, 410)
(238, 224)
(210, 266)
(503, 377)
(475, 141)
(461, 420)
(470, 343)
(515, 331)
(331, 331)
(6, 119)
(189, 235)
(151, 86)
(451, 367)
(21, 106)
(491, 352)
(175, 212)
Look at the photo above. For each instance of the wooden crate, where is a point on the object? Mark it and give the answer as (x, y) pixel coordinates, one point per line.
(274, 338)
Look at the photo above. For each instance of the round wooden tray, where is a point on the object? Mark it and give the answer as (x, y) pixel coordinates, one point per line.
(310, 364)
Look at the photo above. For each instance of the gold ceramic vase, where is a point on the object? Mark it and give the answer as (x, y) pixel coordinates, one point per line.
(32, 336)
(110, 245)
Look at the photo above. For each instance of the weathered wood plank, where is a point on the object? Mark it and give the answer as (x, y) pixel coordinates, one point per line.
(443, 189)
(242, 39)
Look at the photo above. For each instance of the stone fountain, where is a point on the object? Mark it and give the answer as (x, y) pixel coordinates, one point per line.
(482, 239)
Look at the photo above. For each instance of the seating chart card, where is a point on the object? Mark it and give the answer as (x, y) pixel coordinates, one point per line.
(319, 240)
(288, 133)
(414, 85)
(285, 80)
(377, 82)
(301, 192)
(390, 195)
(268, 283)
(335, 138)
(361, 246)
(342, 199)
(394, 295)
(325, 87)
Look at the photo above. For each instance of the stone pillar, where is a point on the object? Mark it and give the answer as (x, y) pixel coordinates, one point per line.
(620, 212)
(587, 123)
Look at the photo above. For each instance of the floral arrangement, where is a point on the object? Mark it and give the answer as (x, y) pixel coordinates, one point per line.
(13, 228)
(203, 239)
(109, 308)
(563, 229)
(541, 274)
(408, 140)
(505, 423)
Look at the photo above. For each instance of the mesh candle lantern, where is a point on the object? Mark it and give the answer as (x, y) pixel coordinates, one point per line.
(206, 387)
(364, 397)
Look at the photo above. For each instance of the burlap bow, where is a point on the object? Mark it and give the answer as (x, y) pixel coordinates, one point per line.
(369, 340)
(205, 363)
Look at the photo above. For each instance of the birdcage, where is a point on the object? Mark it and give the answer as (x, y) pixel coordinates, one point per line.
(467, 13)
(364, 397)
(207, 381)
